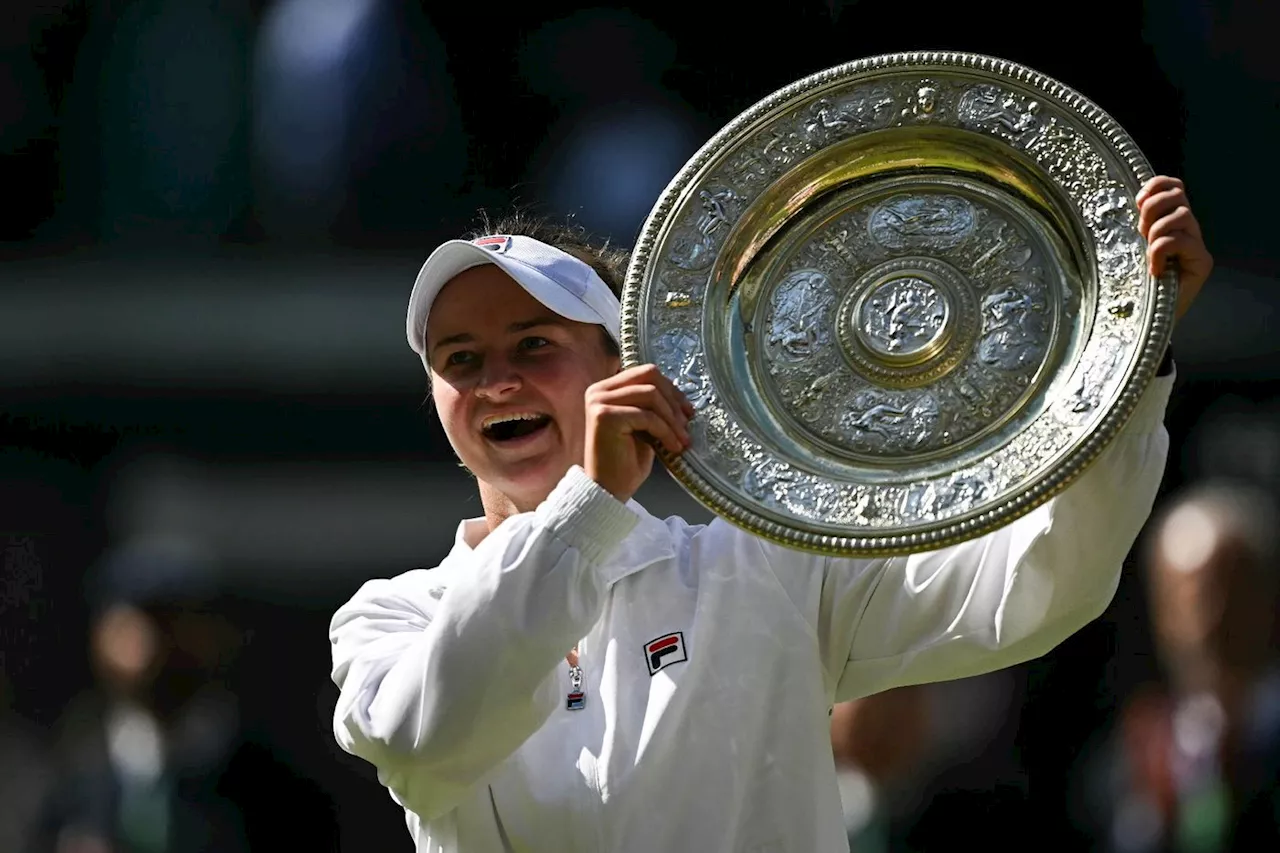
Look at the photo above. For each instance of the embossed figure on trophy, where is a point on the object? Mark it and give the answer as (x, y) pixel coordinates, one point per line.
(824, 117)
(929, 221)
(695, 251)
(767, 480)
(796, 328)
(749, 168)
(717, 210)
(990, 104)
(1088, 391)
(680, 356)
(1116, 232)
(875, 108)
(923, 105)
(1017, 328)
(958, 494)
(905, 315)
(867, 109)
(906, 425)
(836, 506)
(880, 418)
(1114, 215)
(781, 148)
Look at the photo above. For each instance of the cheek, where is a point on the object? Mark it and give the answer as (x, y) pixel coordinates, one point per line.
(568, 391)
(450, 410)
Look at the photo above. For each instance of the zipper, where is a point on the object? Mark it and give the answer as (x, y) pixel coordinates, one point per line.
(577, 684)
(576, 698)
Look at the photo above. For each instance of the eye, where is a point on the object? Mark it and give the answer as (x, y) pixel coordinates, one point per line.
(534, 342)
(458, 357)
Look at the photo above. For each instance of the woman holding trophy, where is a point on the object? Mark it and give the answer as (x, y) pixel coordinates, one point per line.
(580, 675)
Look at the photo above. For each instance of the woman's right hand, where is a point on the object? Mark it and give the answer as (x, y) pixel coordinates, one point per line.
(625, 414)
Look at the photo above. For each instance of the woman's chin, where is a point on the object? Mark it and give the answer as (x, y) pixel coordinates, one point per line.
(529, 484)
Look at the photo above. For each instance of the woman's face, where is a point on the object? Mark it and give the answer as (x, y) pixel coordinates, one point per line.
(508, 378)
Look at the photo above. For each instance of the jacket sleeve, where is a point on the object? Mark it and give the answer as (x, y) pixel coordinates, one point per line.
(995, 601)
(442, 679)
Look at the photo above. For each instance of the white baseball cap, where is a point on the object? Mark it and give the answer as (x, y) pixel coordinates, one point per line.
(558, 280)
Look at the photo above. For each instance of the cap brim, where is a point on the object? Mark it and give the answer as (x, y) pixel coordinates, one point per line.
(457, 256)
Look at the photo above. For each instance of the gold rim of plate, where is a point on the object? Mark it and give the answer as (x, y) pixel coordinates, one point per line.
(986, 207)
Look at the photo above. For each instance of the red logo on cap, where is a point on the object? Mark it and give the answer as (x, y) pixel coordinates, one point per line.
(494, 244)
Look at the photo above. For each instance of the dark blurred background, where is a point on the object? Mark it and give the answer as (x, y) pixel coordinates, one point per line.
(212, 212)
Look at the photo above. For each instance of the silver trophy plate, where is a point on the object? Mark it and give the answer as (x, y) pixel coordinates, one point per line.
(908, 299)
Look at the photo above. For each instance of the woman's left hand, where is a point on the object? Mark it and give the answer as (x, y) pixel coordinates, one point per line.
(1172, 233)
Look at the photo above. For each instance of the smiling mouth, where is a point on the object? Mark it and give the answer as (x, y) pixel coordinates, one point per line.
(518, 426)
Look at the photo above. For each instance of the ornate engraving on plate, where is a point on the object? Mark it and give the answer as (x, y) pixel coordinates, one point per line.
(891, 423)
(693, 249)
(902, 317)
(768, 480)
(993, 106)
(1092, 384)
(933, 498)
(868, 107)
(799, 326)
(914, 290)
(930, 354)
(931, 221)
(912, 330)
(680, 356)
(924, 101)
(1016, 325)
(1115, 222)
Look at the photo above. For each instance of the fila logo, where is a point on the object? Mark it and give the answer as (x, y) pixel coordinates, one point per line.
(664, 651)
(497, 243)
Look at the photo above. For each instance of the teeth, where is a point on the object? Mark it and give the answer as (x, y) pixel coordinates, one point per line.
(502, 419)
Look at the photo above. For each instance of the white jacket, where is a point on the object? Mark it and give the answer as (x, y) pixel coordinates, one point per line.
(453, 680)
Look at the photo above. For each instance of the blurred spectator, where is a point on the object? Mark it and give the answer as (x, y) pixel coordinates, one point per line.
(153, 758)
(1194, 764)
(878, 742)
(912, 763)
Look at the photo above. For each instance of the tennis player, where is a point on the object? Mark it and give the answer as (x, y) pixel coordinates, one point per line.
(578, 675)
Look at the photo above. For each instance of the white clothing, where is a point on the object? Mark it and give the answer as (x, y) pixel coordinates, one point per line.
(453, 680)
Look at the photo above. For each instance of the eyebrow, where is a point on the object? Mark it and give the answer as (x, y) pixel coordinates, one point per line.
(533, 323)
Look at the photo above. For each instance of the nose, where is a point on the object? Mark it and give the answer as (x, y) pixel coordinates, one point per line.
(498, 379)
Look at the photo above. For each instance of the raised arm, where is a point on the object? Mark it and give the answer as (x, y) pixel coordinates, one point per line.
(1003, 598)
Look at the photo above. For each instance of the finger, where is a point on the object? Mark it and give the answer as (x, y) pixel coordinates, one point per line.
(1159, 183)
(647, 397)
(1181, 220)
(1160, 205)
(631, 419)
(1165, 250)
(629, 376)
(678, 400)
